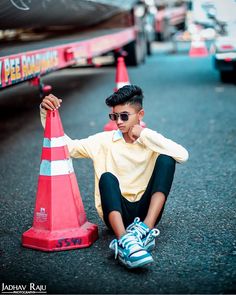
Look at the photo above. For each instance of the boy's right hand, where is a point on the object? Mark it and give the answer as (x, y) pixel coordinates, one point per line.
(51, 102)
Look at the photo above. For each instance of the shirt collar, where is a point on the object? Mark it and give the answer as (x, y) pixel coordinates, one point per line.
(117, 135)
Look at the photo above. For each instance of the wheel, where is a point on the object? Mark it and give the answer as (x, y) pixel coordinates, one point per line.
(132, 58)
(136, 52)
(159, 36)
(149, 48)
(227, 76)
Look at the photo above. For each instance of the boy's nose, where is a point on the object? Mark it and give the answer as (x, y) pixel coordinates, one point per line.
(119, 120)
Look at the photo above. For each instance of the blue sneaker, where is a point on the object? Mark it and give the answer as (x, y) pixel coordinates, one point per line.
(142, 231)
(130, 251)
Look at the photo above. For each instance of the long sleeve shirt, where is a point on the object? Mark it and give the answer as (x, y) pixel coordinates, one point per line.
(131, 163)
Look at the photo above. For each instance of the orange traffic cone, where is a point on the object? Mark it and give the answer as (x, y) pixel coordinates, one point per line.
(122, 79)
(198, 48)
(59, 217)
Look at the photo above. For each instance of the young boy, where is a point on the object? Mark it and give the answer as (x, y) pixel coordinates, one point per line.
(134, 169)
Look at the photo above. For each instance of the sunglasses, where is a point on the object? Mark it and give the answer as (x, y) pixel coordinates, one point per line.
(122, 116)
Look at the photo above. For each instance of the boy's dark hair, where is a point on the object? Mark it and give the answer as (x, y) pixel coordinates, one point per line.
(128, 94)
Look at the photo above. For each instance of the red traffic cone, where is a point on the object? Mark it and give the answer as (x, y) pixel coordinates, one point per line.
(111, 125)
(198, 48)
(122, 79)
(59, 217)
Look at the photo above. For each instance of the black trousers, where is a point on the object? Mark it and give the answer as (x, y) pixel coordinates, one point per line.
(112, 199)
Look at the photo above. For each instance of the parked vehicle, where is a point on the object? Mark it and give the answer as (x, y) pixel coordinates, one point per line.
(222, 16)
(225, 43)
(225, 52)
(30, 49)
(170, 17)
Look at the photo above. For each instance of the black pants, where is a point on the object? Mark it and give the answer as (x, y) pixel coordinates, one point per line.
(112, 199)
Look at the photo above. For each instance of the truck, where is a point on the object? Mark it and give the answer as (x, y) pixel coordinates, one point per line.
(224, 17)
(220, 15)
(170, 17)
(41, 37)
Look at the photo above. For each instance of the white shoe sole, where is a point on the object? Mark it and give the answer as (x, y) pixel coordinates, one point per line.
(138, 263)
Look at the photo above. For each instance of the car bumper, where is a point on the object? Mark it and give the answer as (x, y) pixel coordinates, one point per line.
(225, 61)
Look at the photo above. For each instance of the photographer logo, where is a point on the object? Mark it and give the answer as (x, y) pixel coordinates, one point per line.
(31, 288)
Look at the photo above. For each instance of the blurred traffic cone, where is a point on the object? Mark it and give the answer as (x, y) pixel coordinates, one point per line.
(122, 79)
(59, 218)
(111, 125)
(198, 47)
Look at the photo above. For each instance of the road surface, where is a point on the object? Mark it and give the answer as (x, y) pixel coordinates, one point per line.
(196, 251)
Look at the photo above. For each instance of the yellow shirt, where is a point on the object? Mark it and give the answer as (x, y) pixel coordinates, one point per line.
(131, 163)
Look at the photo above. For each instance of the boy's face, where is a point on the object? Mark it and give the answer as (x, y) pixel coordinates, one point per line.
(134, 116)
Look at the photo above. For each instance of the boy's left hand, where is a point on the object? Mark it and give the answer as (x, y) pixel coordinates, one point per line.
(135, 131)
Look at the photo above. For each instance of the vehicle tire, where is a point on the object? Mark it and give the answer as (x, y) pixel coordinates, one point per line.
(158, 36)
(132, 58)
(149, 48)
(227, 76)
(136, 52)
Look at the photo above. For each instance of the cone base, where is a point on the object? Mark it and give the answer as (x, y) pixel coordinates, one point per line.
(111, 125)
(66, 239)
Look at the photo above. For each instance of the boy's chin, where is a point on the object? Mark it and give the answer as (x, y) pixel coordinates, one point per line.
(123, 130)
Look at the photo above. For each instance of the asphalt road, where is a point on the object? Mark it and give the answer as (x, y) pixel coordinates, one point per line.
(185, 101)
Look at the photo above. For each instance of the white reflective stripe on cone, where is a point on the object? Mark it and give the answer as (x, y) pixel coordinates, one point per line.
(60, 167)
(54, 142)
(121, 84)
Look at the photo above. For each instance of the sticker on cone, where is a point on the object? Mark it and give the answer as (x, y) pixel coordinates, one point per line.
(59, 218)
(122, 79)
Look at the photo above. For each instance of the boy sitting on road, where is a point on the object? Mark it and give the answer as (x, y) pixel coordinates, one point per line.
(134, 169)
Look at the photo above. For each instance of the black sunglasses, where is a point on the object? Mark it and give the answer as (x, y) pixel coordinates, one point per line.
(122, 116)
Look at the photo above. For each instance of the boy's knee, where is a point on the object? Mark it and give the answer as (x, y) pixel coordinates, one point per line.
(165, 170)
(107, 177)
(165, 160)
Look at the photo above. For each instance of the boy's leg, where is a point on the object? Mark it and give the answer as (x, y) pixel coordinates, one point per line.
(111, 203)
(127, 247)
(156, 207)
(116, 222)
(152, 203)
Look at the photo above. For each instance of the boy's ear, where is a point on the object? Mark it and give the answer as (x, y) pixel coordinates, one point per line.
(141, 114)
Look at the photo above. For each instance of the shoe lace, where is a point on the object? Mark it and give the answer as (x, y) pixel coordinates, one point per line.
(129, 242)
(114, 246)
(137, 228)
(141, 232)
(152, 235)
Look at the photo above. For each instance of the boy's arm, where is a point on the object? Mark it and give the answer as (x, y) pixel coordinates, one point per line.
(83, 148)
(162, 145)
